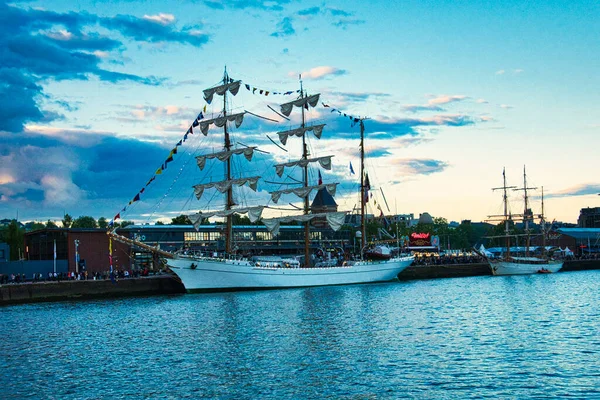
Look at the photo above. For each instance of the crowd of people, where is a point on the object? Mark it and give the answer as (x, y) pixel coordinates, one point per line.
(74, 276)
(445, 259)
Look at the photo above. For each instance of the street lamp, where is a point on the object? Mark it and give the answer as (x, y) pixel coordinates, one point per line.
(76, 256)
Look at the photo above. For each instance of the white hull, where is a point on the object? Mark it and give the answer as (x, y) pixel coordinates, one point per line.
(213, 274)
(524, 268)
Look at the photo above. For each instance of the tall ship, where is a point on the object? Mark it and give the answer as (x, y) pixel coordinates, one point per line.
(531, 260)
(230, 271)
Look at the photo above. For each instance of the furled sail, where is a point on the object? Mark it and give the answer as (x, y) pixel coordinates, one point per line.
(304, 191)
(286, 109)
(224, 186)
(233, 88)
(325, 162)
(334, 219)
(254, 214)
(224, 155)
(220, 122)
(317, 130)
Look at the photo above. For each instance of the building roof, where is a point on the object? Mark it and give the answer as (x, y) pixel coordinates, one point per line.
(323, 199)
(580, 233)
(425, 218)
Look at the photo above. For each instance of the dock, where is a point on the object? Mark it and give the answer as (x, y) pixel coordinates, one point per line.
(31, 292)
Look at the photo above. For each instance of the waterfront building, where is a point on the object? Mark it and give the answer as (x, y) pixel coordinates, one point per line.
(79, 249)
(589, 218)
(76, 250)
(581, 241)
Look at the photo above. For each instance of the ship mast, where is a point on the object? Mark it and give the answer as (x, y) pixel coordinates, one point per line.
(229, 202)
(305, 155)
(506, 219)
(527, 215)
(363, 225)
(543, 225)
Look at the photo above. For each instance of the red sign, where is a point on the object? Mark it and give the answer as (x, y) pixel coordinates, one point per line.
(420, 239)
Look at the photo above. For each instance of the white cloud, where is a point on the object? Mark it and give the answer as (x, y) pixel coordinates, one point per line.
(445, 99)
(101, 54)
(319, 72)
(62, 35)
(434, 103)
(162, 18)
(500, 72)
(60, 190)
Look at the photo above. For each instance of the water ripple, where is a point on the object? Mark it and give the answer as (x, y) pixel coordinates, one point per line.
(481, 337)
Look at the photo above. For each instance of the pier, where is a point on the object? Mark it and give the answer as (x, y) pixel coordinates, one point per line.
(31, 292)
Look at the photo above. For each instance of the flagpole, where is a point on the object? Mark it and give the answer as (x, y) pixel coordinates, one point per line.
(55, 255)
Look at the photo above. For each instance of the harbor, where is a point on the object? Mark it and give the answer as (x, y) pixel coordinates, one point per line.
(169, 284)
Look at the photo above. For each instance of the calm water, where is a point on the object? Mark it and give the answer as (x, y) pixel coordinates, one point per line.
(484, 337)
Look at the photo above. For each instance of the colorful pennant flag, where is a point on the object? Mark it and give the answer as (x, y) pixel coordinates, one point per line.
(266, 92)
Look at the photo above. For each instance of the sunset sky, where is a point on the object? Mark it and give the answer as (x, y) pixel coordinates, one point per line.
(94, 96)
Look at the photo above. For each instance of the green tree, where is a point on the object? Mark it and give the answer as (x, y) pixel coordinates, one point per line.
(237, 220)
(181, 220)
(159, 223)
(67, 221)
(123, 224)
(51, 224)
(15, 238)
(85, 222)
(34, 226)
(102, 223)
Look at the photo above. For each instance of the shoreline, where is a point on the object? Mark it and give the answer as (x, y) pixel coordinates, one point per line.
(49, 291)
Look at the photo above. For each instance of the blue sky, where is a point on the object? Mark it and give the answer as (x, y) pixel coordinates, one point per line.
(95, 95)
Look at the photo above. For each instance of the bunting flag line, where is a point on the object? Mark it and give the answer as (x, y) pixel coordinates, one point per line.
(264, 92)
(110, 258)
(163, 167)
(320, 178)
(351, 169)
(353, 119)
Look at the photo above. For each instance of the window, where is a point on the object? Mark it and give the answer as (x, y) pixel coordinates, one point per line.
(264, 236)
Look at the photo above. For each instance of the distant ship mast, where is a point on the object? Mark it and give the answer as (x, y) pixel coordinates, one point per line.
(527, 214)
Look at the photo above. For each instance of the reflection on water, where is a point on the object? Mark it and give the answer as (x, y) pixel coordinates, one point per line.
(481, 337)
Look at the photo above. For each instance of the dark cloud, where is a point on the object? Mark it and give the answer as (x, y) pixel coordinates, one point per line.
(358, 97)
(284, 28)
(344, 23)
(419, 166)
(80, 41)
(389, 128)
(245, 4)
(37, 45)
(339, 13)
(54, 173)
(144, 30)
(310, 11)
(579, 190)
(18, 103)
(376, 153)
(415, 108)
